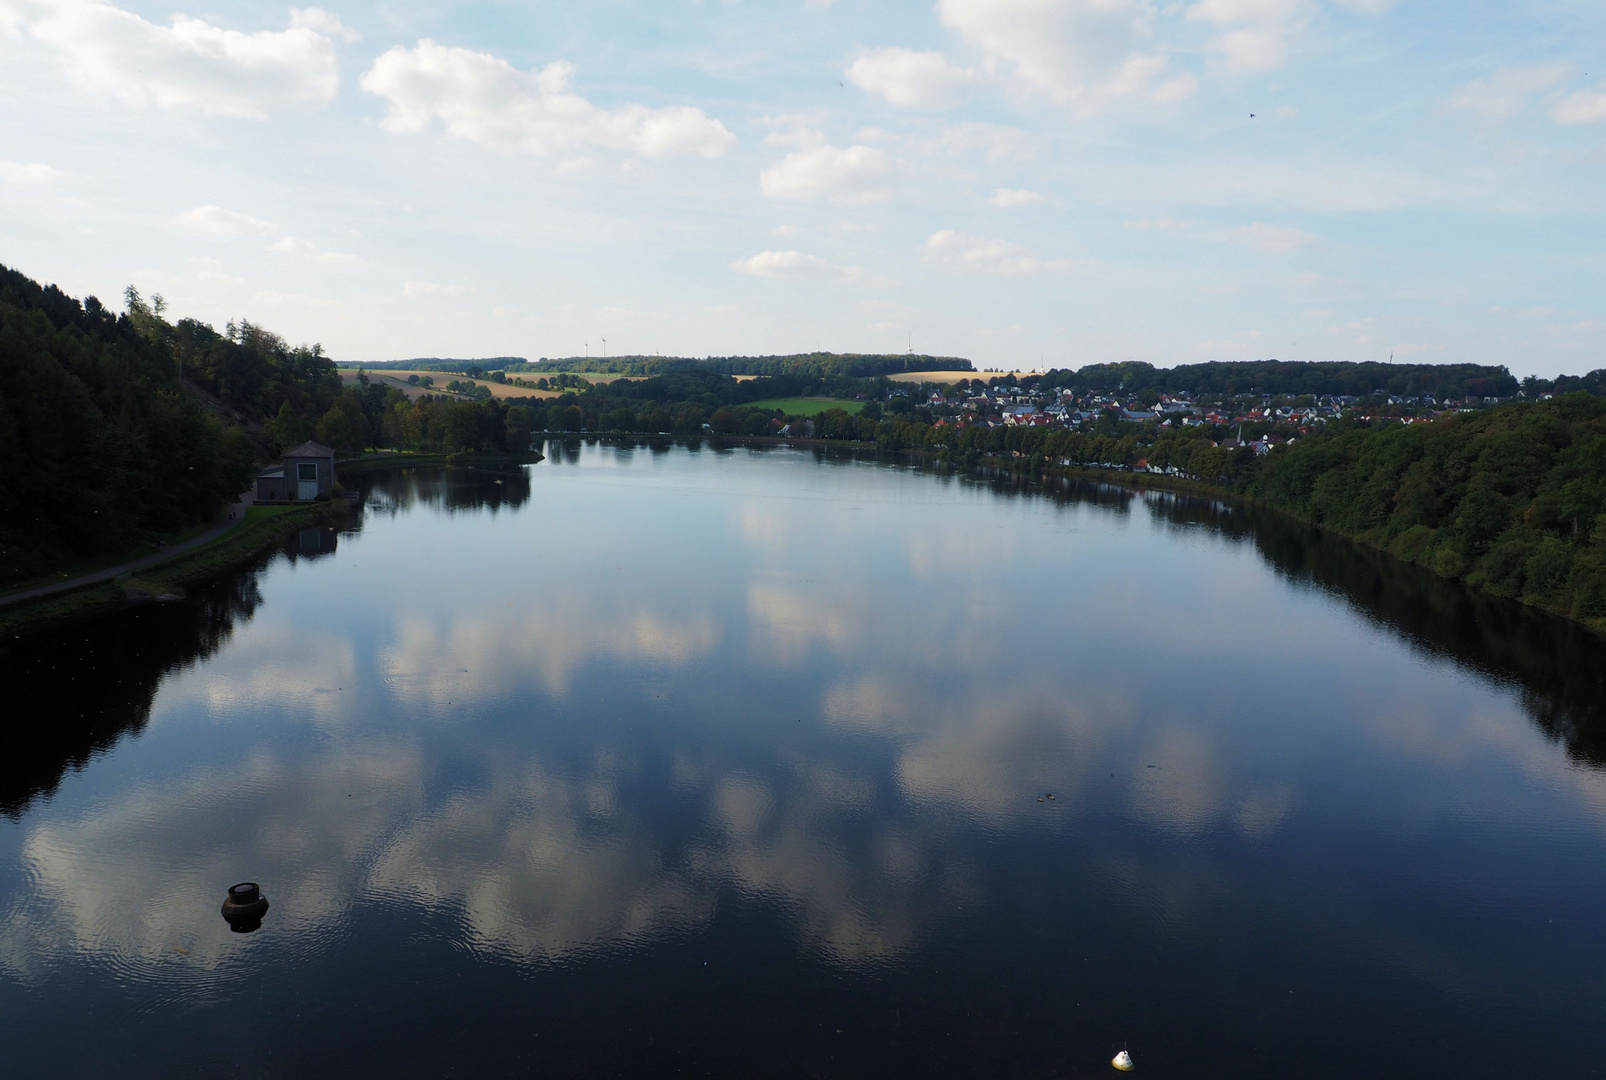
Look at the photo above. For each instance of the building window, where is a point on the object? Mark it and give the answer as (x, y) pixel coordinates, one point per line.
(307, 471)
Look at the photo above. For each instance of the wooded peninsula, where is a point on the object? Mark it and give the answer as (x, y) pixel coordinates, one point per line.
(117, 425)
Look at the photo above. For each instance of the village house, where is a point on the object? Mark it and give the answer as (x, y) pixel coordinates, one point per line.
(304, 474)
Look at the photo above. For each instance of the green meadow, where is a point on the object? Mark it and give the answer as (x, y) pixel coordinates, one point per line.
(808, 406)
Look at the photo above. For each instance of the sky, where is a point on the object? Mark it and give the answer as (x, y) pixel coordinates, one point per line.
(1023, 183)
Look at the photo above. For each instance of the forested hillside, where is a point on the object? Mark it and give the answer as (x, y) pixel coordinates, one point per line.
(114, 426)
(1512, 500)
(1354, 379)
(118, 428)
(818, 365)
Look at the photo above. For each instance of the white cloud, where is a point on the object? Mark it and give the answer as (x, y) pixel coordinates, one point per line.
(1011, 198)
(1183, 86)
(1260, 29)
(974, 254)
(793, 129)
(292, 247)
(858, 174)
(1583, 107)
(1159, 224)
(189, 64)
(797, 266)
(1260, 49)
(1272, 238)
(1329, 184)
(906, 77)
(486, 100)
(787, 265)
(224, 224)
(323, 22)
(301, 300)
(32, 172)
(416, 289)
(1507, 91)
(995, 143)
(1080, 53)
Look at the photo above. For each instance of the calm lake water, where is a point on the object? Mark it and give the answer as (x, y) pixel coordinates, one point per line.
(652, 761)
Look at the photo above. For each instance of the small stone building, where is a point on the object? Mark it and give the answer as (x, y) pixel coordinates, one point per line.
(305, 473)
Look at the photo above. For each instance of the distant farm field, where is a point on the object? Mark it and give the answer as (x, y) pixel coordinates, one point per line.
(954, 376)
(398, 379)
(807, 406)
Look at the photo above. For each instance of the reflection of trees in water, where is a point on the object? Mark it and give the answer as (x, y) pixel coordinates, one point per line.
(75, 691)
(568, 451)
(449, 489)
(1063, 490)
(1560, 667)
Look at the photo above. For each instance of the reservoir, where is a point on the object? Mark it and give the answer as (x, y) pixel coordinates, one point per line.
(649, 760)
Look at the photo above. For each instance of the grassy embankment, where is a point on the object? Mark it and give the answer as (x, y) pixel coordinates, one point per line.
(138, 550)
(262, 527)
(807, 406)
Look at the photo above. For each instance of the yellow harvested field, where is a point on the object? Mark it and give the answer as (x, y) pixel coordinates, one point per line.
(398, 379)
(955, 376)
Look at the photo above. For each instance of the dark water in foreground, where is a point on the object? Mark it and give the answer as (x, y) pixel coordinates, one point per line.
(646, 762)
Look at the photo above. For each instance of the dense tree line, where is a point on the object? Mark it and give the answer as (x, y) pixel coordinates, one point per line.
(115, 428)
(101, 442)
(820, 365)
(455, 366)
(1294, 377)
(1512, 500)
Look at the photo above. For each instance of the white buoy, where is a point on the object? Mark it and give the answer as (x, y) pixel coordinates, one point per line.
(1123, 1061)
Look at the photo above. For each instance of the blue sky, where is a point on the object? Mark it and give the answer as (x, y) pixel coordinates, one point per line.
(1021, 182)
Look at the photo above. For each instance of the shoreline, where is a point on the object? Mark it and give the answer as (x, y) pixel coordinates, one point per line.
(153, 579)
(1198, 489)
(237, 545)
(168, 578)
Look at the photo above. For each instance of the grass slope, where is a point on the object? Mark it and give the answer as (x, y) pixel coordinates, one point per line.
(263, 527)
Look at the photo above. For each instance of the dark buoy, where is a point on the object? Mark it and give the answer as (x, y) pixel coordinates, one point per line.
(244, 907)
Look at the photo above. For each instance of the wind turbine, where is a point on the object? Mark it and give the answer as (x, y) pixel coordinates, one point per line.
(604, 348)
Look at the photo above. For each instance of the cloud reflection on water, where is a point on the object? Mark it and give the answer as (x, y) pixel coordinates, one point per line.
(475, 655)
(908, 726)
